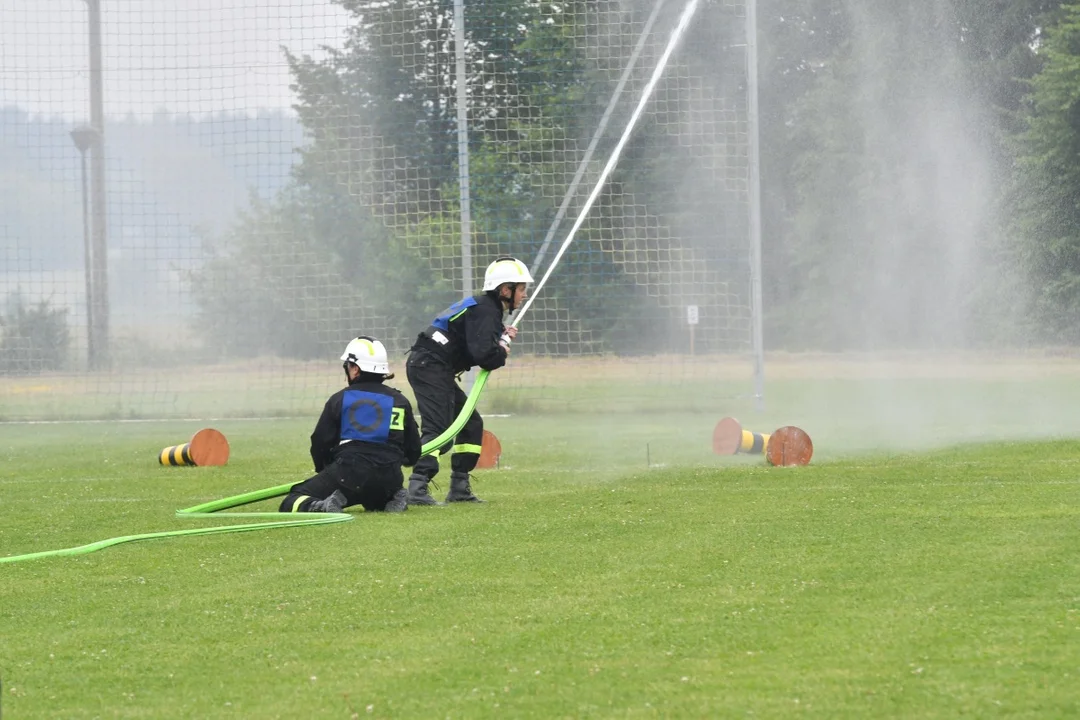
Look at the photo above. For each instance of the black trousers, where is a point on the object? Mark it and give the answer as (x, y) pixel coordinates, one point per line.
(440, 399)
(361, 481)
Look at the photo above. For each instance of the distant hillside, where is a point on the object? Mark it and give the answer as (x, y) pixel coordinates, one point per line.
(172, 182)
(168, 178)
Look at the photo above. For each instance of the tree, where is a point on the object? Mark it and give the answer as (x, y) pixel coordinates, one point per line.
(797, 41)
(33, 338)
(1049, 215)
(382, 112)
(300, 274)
(373, 205)
(886, 152)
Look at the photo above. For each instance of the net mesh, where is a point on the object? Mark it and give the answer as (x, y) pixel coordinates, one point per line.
(278, 177)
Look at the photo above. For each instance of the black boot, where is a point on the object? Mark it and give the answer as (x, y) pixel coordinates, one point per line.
(398, 503)
(418, 491)
(333, 504)
(460, 491)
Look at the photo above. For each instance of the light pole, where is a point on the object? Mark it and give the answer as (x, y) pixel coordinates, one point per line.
(85, 137)
(99, 268)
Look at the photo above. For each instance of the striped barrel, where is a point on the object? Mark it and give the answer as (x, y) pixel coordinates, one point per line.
(729, 438)
(206, 447)
(753, 443)
(176, 455)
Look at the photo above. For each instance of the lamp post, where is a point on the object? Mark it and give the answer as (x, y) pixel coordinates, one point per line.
(84, 137)
(99, 268)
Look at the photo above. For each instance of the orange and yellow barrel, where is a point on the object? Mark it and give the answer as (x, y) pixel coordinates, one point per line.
(788, 446)
(729, 438)
(207, 447)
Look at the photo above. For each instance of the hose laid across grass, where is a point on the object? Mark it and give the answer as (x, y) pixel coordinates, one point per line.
(213, 508)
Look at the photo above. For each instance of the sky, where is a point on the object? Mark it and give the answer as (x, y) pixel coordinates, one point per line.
(185, 56)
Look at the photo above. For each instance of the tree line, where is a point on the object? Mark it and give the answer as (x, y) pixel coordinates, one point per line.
(918, 175)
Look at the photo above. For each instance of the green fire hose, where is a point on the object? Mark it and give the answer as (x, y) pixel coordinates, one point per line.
(213, 508)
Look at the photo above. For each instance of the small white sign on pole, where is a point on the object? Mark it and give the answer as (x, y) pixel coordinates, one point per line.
(691, 315)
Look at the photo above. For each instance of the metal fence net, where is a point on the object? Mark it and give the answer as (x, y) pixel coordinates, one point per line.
(252, 183)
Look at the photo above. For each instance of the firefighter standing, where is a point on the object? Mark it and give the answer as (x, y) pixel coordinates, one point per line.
(467, 334)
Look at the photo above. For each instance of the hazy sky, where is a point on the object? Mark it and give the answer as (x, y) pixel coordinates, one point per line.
(184, 55)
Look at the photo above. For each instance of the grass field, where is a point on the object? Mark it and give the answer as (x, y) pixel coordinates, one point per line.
(953, 390)
(619, 570)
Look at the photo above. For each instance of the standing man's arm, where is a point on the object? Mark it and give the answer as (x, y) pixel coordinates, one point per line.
(483, 329)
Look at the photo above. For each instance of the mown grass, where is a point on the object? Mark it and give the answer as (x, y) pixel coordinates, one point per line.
(951, 390)
(871, 584)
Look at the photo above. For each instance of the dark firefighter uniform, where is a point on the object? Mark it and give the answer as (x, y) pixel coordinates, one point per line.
(366, 432)
(463, 336)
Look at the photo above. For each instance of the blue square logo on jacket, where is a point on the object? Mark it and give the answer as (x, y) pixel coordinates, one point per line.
(366, 416)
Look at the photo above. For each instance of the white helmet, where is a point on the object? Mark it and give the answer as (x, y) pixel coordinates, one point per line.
(506, 270)
(368, 354)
